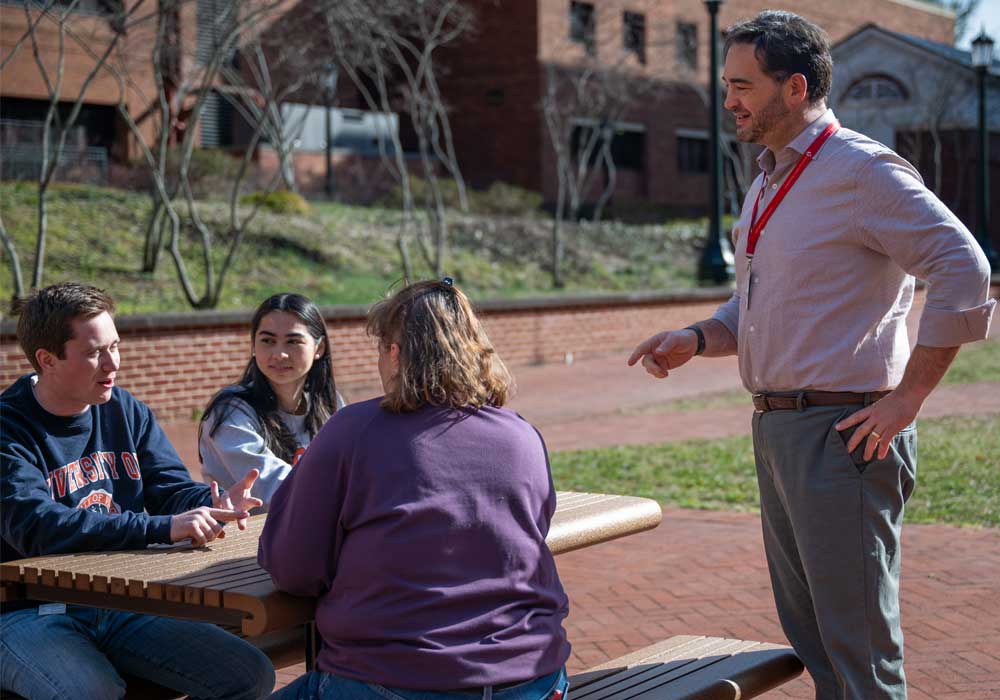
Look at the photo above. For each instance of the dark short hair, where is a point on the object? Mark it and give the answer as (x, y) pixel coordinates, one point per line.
(46, 316)
(786, 44)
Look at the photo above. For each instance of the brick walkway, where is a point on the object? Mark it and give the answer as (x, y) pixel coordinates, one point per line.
(704, 572)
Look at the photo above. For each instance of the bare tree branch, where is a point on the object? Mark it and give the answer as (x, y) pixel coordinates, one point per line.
(56, 126)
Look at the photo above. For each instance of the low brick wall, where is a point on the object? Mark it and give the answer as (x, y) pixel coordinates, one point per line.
(175, 362)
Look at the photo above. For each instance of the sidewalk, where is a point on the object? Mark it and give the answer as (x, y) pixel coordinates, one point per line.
(703, 572)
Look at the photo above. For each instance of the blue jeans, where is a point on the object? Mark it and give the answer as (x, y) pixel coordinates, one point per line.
(326, 686)
(81, 652)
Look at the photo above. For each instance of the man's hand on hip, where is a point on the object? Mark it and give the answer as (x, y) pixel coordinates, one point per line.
(665, 351)
(880, 422)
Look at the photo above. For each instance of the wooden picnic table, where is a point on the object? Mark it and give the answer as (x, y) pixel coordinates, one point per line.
(222, 582)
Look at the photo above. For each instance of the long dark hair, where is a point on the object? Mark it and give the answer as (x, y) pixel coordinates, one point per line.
(254, 388)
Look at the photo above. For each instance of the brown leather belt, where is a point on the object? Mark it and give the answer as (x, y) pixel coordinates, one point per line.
(478, 690)
(801, 400)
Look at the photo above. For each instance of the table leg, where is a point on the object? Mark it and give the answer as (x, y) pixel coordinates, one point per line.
(312, 645)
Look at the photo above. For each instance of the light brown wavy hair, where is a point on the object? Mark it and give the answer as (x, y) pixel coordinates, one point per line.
(445, 356)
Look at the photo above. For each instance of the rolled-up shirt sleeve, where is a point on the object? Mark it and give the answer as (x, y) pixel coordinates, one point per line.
(902, 219)
(728, 314)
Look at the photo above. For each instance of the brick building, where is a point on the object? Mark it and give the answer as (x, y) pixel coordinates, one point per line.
(920, 97)
(100, 136)
(495, 83)
(126, 32)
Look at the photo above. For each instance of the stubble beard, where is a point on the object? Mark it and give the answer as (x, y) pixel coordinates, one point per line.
(764, 121)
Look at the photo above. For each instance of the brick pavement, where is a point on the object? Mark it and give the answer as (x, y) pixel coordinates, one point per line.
(704, 572)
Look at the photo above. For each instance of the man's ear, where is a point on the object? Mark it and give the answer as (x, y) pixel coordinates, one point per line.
(45, 359)
(796, 90)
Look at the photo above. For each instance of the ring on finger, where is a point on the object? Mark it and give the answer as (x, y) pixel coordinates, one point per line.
(878, 436)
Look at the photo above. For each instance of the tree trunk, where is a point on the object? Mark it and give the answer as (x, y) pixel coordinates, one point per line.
(557, 239)
(610, 183)
(15, 263)
(153, 243)
(404, 254)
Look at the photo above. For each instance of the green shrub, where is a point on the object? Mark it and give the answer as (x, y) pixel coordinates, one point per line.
(211, 172)
(278, 201)
(501, 199)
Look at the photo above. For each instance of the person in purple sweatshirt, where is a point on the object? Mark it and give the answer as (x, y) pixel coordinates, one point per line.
(418, 519)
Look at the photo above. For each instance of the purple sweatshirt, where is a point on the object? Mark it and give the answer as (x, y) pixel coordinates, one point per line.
(423, 535)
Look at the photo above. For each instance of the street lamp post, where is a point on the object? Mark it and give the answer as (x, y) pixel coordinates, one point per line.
(982, 59)
(329, 91)
(716, 265)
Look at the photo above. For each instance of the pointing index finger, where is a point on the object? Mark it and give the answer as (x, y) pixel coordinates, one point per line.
(642, 349)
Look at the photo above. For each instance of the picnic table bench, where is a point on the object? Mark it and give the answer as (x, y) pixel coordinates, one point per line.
(222, 583)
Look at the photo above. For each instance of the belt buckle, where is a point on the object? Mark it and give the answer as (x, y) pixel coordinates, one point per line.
(763, 400)
(800, 401)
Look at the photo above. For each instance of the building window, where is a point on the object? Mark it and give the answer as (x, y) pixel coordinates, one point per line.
(495, 97)
(628, 144)
(692, 155)
(216, 20)
(216, 121)
(628, 149)
(84, 7)
(582, 23)
(634, 38)
(687, 44)
(876, 87)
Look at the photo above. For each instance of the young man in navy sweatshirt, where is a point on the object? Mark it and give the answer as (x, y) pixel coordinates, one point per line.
(86, 468)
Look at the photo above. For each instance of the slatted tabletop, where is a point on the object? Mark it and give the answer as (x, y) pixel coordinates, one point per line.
(223, 583)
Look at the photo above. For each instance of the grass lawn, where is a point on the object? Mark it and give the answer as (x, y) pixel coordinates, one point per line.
(957, 477)
(976, 362)
(335, 254)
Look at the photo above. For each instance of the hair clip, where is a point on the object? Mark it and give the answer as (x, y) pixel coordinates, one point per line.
(448, 281)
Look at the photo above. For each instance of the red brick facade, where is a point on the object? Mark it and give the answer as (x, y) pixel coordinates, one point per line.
(176, 363)
(494, 83)
(495, 88)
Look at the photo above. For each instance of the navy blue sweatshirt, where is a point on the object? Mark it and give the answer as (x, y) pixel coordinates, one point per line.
(106, 479)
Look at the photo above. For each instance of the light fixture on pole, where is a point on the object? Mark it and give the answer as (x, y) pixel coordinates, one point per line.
(982, 60)
(329, 92)
(716, 264)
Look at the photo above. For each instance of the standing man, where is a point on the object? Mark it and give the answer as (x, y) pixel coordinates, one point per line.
(86, 468)
(830, 238)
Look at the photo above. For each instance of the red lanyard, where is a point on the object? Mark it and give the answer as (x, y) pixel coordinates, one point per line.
(756, 227)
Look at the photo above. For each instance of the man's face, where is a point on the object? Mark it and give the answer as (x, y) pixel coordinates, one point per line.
(86, 373)
(752, 96)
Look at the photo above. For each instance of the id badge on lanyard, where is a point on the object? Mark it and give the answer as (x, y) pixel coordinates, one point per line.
(757, 227)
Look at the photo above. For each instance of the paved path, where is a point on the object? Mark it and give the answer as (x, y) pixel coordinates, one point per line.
(704, 572)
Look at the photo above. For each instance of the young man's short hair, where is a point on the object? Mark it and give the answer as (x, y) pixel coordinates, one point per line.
(786, 44)
(46, 316)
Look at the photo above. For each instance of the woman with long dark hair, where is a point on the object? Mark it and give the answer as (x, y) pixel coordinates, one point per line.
(419, 520)
(286, 394)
